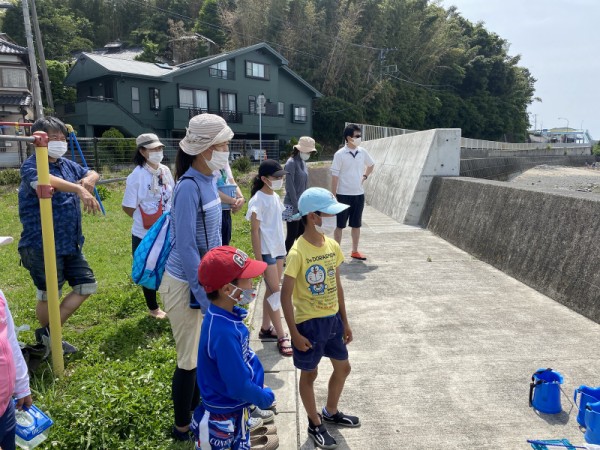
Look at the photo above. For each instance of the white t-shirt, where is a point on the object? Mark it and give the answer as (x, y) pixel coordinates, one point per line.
(268, 209)
(349, 166)
(138, 192)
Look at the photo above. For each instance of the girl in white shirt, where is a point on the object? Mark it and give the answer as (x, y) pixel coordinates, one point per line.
(268, 243)
(147, 196)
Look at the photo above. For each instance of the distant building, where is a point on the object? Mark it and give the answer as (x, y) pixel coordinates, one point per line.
(562, 135)
(16, 103)
(137, 97)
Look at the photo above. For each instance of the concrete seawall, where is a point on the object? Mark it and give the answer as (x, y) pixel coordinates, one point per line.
(549, 240)
(494, 168)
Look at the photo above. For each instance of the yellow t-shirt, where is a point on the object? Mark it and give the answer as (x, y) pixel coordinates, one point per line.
(315, 290)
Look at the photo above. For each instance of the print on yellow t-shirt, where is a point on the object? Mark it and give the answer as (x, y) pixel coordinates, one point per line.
(315, 289)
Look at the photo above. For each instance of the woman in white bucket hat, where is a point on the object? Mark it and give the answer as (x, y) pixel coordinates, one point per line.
(195, 229)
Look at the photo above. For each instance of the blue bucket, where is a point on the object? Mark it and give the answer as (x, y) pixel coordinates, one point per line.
(227, 189)
(592, 423)
(544, 391)
(587, 395)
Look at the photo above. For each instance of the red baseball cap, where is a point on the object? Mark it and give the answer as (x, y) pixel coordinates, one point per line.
(222, 265)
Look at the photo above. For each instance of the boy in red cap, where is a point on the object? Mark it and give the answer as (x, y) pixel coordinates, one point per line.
(230, 375)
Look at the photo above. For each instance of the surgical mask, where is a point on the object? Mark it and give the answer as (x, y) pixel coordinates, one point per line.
(247, 297)
(276, 184)
(328, 225)
(356, 141)
(57, 148)
(218, 160)
(304, 156)
(155, 157)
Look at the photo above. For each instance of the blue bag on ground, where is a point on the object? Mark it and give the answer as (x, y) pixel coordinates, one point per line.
(151, 256)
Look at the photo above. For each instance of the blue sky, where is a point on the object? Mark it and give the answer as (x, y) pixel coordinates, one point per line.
(559, 42)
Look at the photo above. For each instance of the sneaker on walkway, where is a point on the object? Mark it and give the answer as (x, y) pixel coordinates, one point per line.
(42, 336)
(266, 415)
(264, 429)
(254, 423)
(264, 442)
(358, 255)
(321, 436)
(339, 418)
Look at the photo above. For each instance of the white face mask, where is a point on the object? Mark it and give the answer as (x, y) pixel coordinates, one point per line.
(247, 297)
(155, 157)
(304, 156)
(218, 160)
(328, 225)
(356, 141)
(56, 149)
(276, 184)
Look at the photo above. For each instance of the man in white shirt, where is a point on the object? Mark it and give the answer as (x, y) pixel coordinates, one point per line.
(351, 166)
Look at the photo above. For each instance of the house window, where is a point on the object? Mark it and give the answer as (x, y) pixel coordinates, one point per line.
(280, 108)
(14, 78)
(299, 113)
(252, 104)
(154, 99)
(219, 70)
(257, 70)
(135, 100)
(228, 102)
(193, 98)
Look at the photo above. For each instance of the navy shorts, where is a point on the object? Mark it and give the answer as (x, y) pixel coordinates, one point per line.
(220, 431)
(326, 334)
(270, 260)
(73, 269)
(226, 227)
(352, 215)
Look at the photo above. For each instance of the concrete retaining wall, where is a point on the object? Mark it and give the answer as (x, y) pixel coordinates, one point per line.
(504, 168)
(556, 150)
(549, 240)
(404, 168)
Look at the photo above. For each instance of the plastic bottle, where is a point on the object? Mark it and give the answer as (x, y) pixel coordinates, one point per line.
(32, 427)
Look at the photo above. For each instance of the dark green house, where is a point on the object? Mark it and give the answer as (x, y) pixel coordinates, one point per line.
(138, 97)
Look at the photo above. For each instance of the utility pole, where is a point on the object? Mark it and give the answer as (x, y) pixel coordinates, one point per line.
(40, 46)
(35, 82)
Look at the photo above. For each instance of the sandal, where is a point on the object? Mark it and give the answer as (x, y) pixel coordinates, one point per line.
(285, 350)
(267, 335)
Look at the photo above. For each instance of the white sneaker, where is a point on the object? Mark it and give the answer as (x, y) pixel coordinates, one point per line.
(266, 415)
(254, 423)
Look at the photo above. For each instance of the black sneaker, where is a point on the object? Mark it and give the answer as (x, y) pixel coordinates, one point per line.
(321, 436)
(42, 336)
(339, 418)
(181, 436)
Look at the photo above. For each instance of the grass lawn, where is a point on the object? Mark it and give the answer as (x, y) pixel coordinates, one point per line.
(116, 390)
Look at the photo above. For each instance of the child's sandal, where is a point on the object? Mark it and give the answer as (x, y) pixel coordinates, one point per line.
(267, 335)
(285, 350)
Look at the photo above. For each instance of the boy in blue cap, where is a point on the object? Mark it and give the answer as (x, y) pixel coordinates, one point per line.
(230, 375)
(317, 318)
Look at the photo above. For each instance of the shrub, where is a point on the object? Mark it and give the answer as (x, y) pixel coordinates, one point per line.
(596, 149)
(113, 148)
(9, 177)
(242, 165)
(103, 192)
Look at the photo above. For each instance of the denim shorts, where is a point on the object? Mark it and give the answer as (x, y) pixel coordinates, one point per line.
(326, 334)
(270, 260)
(73, 269)
(220, 431)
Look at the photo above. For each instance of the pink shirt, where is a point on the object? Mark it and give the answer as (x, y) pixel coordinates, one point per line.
(14, 379)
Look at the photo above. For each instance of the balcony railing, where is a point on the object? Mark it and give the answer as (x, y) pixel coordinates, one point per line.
(220, 73)
(229, 116)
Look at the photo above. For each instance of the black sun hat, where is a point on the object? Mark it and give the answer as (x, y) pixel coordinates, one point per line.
(270, 168)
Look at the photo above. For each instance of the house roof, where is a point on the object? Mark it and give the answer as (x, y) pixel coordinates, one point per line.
(15, 100)
(7, 47)
(113, 64)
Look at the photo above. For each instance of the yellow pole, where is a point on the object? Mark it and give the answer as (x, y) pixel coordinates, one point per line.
(44, 191)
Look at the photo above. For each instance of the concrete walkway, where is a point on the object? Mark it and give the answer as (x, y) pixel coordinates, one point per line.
(443, 353)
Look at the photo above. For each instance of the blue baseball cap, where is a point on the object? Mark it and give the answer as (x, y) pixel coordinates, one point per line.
(318, 199)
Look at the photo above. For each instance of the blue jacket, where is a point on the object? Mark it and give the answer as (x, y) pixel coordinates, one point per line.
(230, 375)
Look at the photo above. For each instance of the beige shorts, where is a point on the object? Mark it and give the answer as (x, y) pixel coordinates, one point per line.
(185, 321)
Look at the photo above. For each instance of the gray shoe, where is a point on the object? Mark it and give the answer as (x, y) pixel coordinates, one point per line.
(44, 338)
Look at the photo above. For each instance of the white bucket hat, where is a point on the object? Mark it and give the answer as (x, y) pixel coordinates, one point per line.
(204, 131)
(305, 144)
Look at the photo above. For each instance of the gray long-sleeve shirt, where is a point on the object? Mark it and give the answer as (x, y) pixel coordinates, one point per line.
(296, 181)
